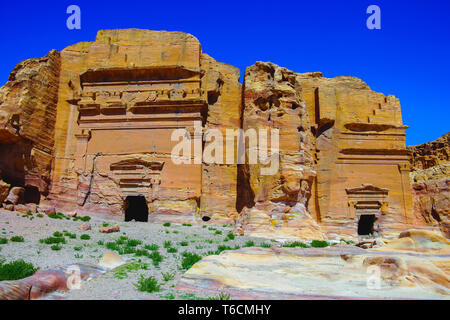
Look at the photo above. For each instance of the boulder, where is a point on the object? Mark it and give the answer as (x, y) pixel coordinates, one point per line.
(85, 226)
(4, 190)
(21, 208)
(16, 196)
(111, 260)
(115, 228)
(46, 209)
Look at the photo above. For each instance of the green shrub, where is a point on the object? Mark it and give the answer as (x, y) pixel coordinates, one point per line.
(265, 245)
(175, 231)
(149, 284)
(17, 239)
(56, 247)
(52, 240)
(100, 242)
(187, 225)
(151, 247)
(57, 234)
(156, 257)
(221, 296)
(249, 244)
(189, 259)
(40, 215)
(78, 248)
(167, 244)
(83, 218)
(319, 244)
(133, 243)
(112, 246)
(3, 240)
(218, 232)
(168, 276)
(141, 253)
(172, 250)
(58, 215)
(295, 244)
(16, 270)
(85, 237)
(183, 243)
(230, 236)
(167, 224)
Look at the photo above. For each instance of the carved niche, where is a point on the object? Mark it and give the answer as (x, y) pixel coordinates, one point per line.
(138, 177)
(366, 199)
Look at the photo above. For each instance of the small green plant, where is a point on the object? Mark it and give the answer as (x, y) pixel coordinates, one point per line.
(56, 247)
(85, 237)
(40, 215)
(78, 256)
(167, 244)
(249, 244)
(175, 231)
(172, 250)
(151, 247)
(149, 284)
(319, 244)
(156, 258)
(100, 242)
(112, 246)
(3, 241)
(167, 276)
(183, 243)
(57, 234)
(133, 243)
(221, 296)
(189, 259)
(265, 245)
(52, 240)
(58, 215)
(122, 271)
(168, 296)
(141, 253)
(166, 224)
(230, 236)
(16, 270)
(295, 244)
(78, 248)
(187, 225)
(83, 218)
(218, 232)
(17, 239)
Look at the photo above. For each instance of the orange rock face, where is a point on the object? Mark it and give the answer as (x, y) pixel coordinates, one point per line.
(430, 179)
(90, 130)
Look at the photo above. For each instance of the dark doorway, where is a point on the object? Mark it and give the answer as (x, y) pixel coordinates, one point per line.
(136, 209)
(32, 195)
(365, 224)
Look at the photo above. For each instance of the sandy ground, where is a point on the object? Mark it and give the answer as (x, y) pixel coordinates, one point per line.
(111, 285)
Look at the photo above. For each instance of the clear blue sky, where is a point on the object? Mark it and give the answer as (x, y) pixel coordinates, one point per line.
(409, 57)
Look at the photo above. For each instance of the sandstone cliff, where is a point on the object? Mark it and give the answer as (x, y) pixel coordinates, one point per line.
(430, 179)
(27, 122)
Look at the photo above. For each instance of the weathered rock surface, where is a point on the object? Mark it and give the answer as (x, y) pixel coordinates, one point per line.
(27, 122)
(430, 180)
(4, 190)
(339, 272)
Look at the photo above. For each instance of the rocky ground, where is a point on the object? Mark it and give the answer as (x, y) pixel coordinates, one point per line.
(119, 283)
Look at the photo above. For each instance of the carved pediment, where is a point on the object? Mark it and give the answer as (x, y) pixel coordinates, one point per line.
(367, 189)
(136, 164)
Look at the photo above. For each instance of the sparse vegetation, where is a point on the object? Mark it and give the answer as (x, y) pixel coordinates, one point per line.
(149, 284)
(17, 239)
(319, 244)
(295, 244)
(221, 296)
(3, 241)
(167, 224)
(85, 237)
(189, 259)
(167, 276)
(16, 270)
